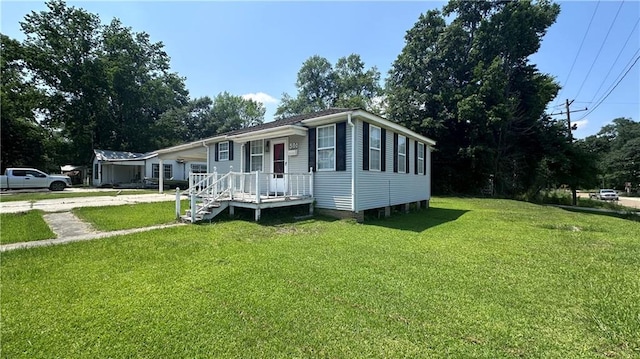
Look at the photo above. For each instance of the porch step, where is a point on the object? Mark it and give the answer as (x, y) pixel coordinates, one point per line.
(204, 212)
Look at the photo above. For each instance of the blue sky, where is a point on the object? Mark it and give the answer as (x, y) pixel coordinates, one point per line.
(256, 48)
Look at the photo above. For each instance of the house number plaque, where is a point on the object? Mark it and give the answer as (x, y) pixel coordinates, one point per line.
(293, 145)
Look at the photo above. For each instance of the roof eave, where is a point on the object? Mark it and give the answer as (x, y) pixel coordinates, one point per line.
(394, 126)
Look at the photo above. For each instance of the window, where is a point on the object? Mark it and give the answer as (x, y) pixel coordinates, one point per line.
(420, 158)
(168, 171)
(155, 170)
(374, 148)
(95, 171)
(257, 148)
(402, 154)
(198, 168)
(326, 148)
(223, 151)
(37, 174)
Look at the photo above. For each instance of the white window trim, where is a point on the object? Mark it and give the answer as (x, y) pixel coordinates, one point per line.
(379, 149)
(402, 155)
(318, 149)
(252, 155)
(153, 172)
(221, 151)
(170, 167)
(421, 167)
(202, 168)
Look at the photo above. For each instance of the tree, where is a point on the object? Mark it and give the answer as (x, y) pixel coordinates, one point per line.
(105, 86)
(321, 86)
(24, 141)
(616, 147)
(468, 84)
(232, 112)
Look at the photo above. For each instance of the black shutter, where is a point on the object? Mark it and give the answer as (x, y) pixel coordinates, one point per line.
(247, 157)
(230, 150)
(395, 152)
(365, 146)
(216, 154)
(312, 149)
(425, 160)
(407, 151)
(341, 146)
(383, 152)
(415, 160)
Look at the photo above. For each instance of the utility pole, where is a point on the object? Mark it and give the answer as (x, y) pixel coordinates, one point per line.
(574, 194)
(568, 112)
(567, 104)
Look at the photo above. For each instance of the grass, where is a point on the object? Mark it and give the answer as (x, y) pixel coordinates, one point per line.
(112, 218)
(37, 196)
(23, 227)
(466, 278)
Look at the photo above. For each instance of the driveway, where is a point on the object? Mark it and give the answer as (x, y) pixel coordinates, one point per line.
(67, 204)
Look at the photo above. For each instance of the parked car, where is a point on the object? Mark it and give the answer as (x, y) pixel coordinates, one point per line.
(20, 178)
(607, 195)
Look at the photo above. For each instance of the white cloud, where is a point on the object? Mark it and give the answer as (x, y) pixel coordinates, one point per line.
(580, 124)
(260, 97)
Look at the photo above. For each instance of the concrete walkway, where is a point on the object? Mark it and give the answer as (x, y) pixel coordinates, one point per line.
(67, 204)
(69, 228)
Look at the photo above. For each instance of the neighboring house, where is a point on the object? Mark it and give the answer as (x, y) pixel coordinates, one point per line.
(346, 160)
(128, 169)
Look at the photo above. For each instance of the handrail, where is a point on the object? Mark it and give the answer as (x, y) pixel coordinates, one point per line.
(253, 186)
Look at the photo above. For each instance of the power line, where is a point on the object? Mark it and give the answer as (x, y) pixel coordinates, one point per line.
(615, 61)
(614, 87)
(600, 50)
(578, 53)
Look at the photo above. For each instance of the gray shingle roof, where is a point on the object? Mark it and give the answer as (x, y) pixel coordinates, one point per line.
(289, 120)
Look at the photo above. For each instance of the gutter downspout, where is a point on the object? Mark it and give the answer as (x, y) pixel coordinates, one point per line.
(208, 150)
(353, 162)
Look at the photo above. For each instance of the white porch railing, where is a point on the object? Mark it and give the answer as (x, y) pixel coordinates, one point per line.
(256, 187)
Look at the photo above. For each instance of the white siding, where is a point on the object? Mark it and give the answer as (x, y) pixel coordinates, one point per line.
(225, 166)
(300, 162)
(332, 189)
(376, 189)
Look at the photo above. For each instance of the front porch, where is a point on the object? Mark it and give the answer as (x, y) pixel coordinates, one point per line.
(211, 193)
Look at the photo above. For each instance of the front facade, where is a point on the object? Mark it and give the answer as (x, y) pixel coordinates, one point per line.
(357, 160)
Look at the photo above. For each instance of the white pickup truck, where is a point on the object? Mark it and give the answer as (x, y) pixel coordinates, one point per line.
(18, 178)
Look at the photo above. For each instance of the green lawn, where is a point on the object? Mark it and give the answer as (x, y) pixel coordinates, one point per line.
(37, 196)
(466, 278)
(112, 218)
(23, 227)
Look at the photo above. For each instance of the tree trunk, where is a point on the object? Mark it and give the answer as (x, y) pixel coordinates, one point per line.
(574, 196)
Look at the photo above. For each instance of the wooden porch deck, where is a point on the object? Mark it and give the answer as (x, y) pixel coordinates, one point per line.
(210, 194)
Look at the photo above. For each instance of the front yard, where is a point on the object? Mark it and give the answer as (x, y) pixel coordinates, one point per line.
(466, 278)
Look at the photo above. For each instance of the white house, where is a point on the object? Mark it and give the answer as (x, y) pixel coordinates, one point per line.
(345, 161)
(130, 169)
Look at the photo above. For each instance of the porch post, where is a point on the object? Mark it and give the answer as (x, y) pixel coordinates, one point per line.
(193, 206)
(99, 173)
(161, 177)
(257, 189)
(177, 202)
(311, 181)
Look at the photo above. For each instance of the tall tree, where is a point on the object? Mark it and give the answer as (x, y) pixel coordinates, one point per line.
(24, 142)
(321, 86)
(106, 86)
(469, 85)
(616, 147)
(232, 112)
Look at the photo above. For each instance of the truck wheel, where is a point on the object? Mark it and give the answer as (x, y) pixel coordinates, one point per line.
(57, 186)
